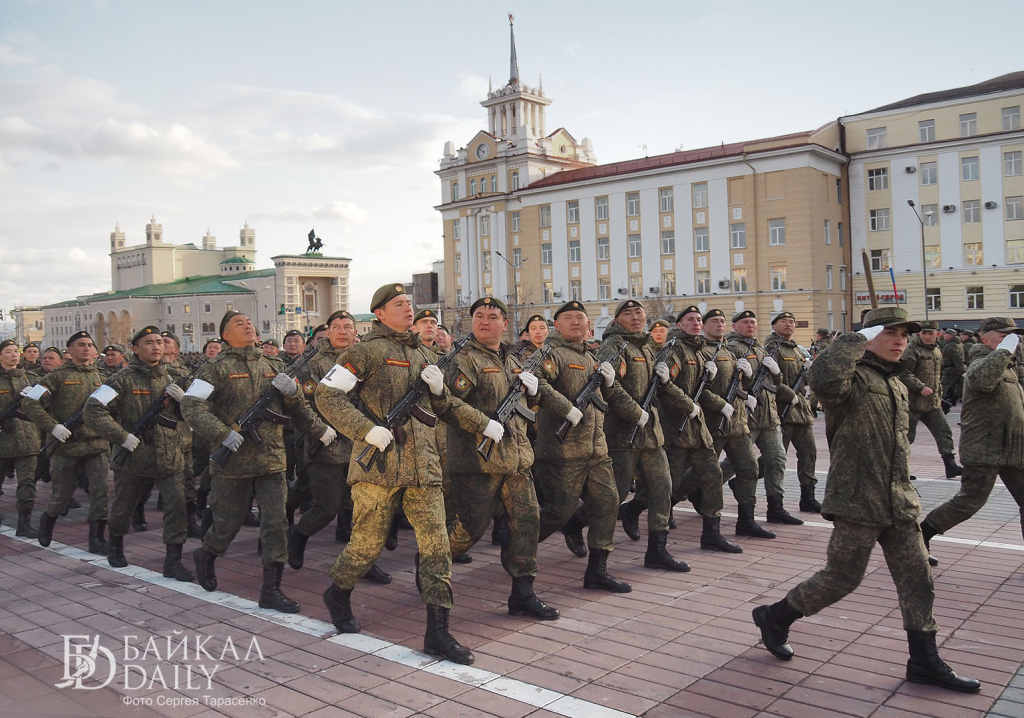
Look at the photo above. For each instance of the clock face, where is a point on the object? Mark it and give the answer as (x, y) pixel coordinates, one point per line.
(482, 150)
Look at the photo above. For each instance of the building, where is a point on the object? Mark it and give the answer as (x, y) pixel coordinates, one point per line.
(28, 324)
(956, 154)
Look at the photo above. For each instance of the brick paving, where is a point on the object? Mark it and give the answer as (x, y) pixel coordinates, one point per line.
(678, 645)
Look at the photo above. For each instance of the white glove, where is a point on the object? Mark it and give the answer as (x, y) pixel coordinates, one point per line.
(379, 436)
(233, 441)
(329, 436)
(1009, 343)
(574, 416)
(434, 378)
(773, 366)
(661, 369)
(870, 332)
(608, 372)
(175, 392)
(712, 368)
(530, 382)
(285, 384)
(751, 402)
(131, 443)
(642, 421)
(744, 366)
(795, 400)
(494, 431)
(697, 411)
(61, 433)
(727, 411)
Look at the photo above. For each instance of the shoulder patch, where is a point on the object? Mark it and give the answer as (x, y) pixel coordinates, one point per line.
(549, 366)
(348, 365)
(622, 368)
(461, 382)
(674, 371)
(397, 362)
(309, 387)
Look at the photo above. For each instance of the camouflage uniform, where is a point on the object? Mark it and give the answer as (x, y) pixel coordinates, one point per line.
(177, 370)
(920, 367)
(798, 426)
(19, 439)
(953, 368)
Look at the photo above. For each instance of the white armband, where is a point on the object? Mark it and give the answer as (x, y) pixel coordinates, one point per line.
(34, 392)
(340, 378)
(200, 389)
(104, 395)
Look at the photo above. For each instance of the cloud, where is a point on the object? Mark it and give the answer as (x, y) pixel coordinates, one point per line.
(473, 87)
(41, 275)
(575, 49)
(175, 151)
(349, 213)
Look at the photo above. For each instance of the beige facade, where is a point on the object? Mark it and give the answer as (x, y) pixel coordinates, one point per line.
(28, 324)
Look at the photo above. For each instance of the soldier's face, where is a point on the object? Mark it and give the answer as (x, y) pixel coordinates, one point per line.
(150, 349)
(239, 332)
(396, 314)
(293, 345)
(213, 349)
(659, 334)
(573, 325)
(443, 339)
(270, 350)
(785, 327)
(746, 327)
(114, 358)
(170, 349)
(890, 344)
(489, 324)
(32, 354)
(9, 357)
(691, 324)
(52, 360)
(342, 333)
(426, 328)
(928, 336)
(633, 319)
(82, 351)
(992, 339)
(714, 328)
(538, 332)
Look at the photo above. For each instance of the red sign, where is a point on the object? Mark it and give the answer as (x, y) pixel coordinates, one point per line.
(888, 297)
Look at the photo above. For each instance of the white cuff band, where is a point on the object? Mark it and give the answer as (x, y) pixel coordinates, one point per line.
(200, 389)
(35, 392)
(104, 395)
(340, 378)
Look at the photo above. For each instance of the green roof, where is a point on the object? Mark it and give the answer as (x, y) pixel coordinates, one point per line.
(210, 284)
(364, 317)
(69, 303)
(238, 260)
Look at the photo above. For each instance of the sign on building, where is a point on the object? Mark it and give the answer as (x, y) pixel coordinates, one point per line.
(888, 297)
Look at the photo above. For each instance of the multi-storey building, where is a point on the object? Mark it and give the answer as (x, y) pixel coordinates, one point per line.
(28, 324)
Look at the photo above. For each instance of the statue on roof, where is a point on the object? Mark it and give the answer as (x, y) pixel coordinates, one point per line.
(315, 244)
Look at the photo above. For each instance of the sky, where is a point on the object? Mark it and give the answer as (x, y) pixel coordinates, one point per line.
(333, 115)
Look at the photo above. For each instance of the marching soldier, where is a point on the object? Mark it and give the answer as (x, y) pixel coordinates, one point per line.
(659, 333)
(113, 361)
(176, 369)
(294, 344)
(270, 348)
(19, 438)
(443, 338)
(212, 348)
(537, 331)
(30, 359)
(953, 367)
(868, 496)
(52, 359)
(378, 372)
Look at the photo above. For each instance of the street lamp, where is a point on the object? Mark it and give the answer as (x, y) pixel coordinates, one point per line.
(924, 264)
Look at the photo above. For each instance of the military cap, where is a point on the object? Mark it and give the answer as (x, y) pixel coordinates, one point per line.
(295, 333)
(114, 348)
(628, 304)
(489, 302)
(934, 326)
(55, 350)
(745, 314)
(144, 332)
(340, 314)
(659, 323)
(1000, 324)
(442, 326)
(422, 314)
(171, 335)
(271, 343)
(688, 310)
(535, 318)
(228, 316)
(31, 345)
(571, 306)
(713, 313)
(215, 340)
(7, 343)
(385, 294)
(78, 335)
(823, 330)
(317, 328)
(890, 317)
(783, 315)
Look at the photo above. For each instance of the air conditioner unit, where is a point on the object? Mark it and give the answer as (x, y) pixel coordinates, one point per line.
(723, 283)
(653, 290)
(621, 290)
(990, 205)
(949, 208)
(911, 169)
(556, 295)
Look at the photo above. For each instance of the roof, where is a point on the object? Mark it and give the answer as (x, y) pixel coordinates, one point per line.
(238, 260)
(210, 284)
(364, 317)
(1010, 81)
(69, 303)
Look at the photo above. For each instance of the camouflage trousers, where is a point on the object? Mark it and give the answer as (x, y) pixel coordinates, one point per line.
(201, 460)
(129, 488)
(936, 422)
(230, 501)
(564, 483)
(374, 508)
(696, 469)
(64, 470)
(328, 485)
(801, 436)
(773, 455)
(479, 497)
(740, 454)
(952, 383)
(848, 552)
(25, 471)
(975, 486)
(655, 473)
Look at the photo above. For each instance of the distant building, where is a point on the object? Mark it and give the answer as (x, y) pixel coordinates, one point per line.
(28, 324)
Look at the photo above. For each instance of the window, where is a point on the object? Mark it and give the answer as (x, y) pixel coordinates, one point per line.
(776, 232)
(878, 179)
(933, 256)
(1015, 251)
(969, 124)
(517, 258)
(828, 231)
(515, 181)
(828, 276)
(601, 205)
(632, 204)
(487, 261)
(604, 249)
(879, 260)
(230, 306)
(975, 297)
(839, 229)
(1014, 208)
(574, 250)
(456, 230)
(515, 221)
(207, 307)
(929, 173)
(878, 220)
(930, 215)
(839, 190)
(545, 253)
(973, 256)
(668, 242)
(169, 311)
(934, 299)
(667, 201)
(969, 168)
(455, 191)
(634, 245)
(636, 288)
(549, 292)
(1012, 163)
(778, 278)
(494, 184)
(703, 282)
(576, 290)
(701, 241)
(668, 284)
(545, 215)
(739, 235)
(876, 138)
(926, 131)
(1011, 118)
(604, 289)
(700, 195)
(472, 187)
(187, 308)
(1017, 296)
(573, 213)
(457, 262)
(739, 280)
(485, 225)
(972, 211)
(842, 278)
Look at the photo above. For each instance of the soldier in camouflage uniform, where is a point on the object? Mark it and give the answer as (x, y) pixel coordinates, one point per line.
(113, 361)
(868, 496)
(30, 359)
(177, 370)
(377, 372)
(953, 367)
(536, 330)
(67, 388)
(579, 468)
(19, 437)
(223, 391)
(157, 457)
(293, 346)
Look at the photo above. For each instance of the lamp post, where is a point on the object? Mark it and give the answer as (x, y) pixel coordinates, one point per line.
(515, 324)
(924, 264)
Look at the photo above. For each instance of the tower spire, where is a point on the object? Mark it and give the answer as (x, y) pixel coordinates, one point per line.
(513, 76)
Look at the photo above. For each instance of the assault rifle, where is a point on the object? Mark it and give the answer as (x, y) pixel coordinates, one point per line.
(13, 411)
(588, 394)
(798, 385)
(730, 395)
(652, 385)
(762, 371)
(705, 377)
(71, 423)
(510, 404)
(406, 406)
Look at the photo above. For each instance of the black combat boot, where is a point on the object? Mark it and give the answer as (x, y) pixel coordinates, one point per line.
(925, 666)
(631, 511)
(378, 575)
(251, 519)
(296, 547)
(343, 529)
(808, 503)
(391, 542)
(672, 516)
(463, 558)
(46, 523)
(339, 605)
(524, 602)
(774, 622)
(73, 503)
(204, 569)
(928, 532)
(270, 593)
(439, 642)
(206, 522)
(115, 552)
(696, 498)
(573, 533)
(777, 513)
(499, 527)
(746, 526)
(97, 543)
(191, 526)
(139, 517)
(200, 505)
(416, 563)
(657, 555)
(953, 470)
(597, 576)
(711, 538)
(25, 527)
(172, 564)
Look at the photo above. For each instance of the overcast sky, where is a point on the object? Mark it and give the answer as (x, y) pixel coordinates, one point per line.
(333, 115)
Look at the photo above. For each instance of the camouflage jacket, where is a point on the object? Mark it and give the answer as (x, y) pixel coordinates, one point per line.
(992, 417)
(687, 368)
(791, 362)
(108, 371)
(177, 370)
(523, 350)
(920, 367)
(866, 420)
(441, 429)
(952, 361)
(386, 364)
(239, 376)
(766, 413)
(32, 367)
(713, 398)
(137, 387)
(69, 387)
(340, 450)
(17, 436)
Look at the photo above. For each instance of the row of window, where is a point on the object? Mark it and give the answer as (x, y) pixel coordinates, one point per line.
(186, 308)
(879, 219)
(1013, 166)
(483, 186)
(974, 297)
(974, 255)
(877, 136)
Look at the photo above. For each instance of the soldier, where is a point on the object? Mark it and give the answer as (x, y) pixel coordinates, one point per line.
(223, 391)
(294, 343)
(52, 360)
(636, 367)
(212, 348)
(481, 376)
(113, 361)
(443, 338)
(992, 437)
(157, 458)
(798, 425)
(66, 390)
(822, 338)
(19, 438)
(868, 496)
(176, 369)
(952, 367)
(659, 333)
(30, 358)
(378, 372)
(580, 468)
(270, 348)
(920, 370)
(319, 332)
